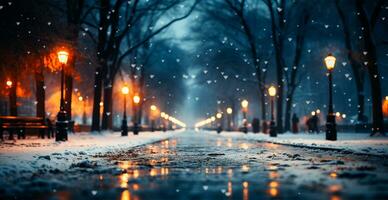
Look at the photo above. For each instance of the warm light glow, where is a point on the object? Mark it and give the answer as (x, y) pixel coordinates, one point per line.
(333, 175)
(313, 113)
(101, 103)
(318, 111)
(229, 111)
(153, 107)
(212, 119)
(330, 62)
(244, 103)
(344, 116)
(9, 83)
(386, 98)
(136, 99)
(273, 192)
(80, 98)
(245, 184)
(219, 115)
(125, 90)
(273, 184)
(63, 56)
(272, 91)
(338, 114)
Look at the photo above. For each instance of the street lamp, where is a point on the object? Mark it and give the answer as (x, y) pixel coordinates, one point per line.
(124, 124)
(244, 105)
(153, 114)
(136, 101)
(62, 122)
(272, 128)
(331, 130)
(9, 83)
(81, 99)
(229, 111)
(219, 124)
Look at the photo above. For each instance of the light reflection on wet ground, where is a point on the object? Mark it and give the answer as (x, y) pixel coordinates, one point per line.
(199, 166)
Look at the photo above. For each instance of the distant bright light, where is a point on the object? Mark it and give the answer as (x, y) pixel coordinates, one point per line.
(125, 90)
(219, 115)
(272, 91)
(63, 56)
(229, 111)
(344, 116)
(9, 83)
(313, 113)
(136, 99)
(80, 98)
(244, 103)
(338, 114)
(330, 62)
(386, 98)
(153, 107)
(101, 103)
(318, 111)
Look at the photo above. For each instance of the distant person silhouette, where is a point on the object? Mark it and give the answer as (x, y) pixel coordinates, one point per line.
(295, 122)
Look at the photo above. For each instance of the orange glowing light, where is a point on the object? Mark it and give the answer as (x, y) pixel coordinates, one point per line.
(273, 192)
(330, 62)
(9, 83)
(125, 90)
(80, 98)
(385, 107)
(245, 184)
(153, 107)
(273, 184)
(272, 91)
(136, 99)
(63, 56)
(333, 175)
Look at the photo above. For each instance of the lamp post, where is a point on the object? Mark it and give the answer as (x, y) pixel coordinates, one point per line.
(229, 111)
(62, 122)
(153, 114)
(331, 130)
(244, 105)
(219, 122)
(124, 124)
(272, 128)
(136, 101)
(81, 99)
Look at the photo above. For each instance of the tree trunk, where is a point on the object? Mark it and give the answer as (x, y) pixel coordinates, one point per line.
(107, 113)
(68, 95)
(373, 72)
(290, 98)
(13, 109)
(40, 93)
(97, 99)
(356, 68)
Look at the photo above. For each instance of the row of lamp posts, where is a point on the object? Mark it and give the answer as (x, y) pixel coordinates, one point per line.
(62, 122)
(331, 131)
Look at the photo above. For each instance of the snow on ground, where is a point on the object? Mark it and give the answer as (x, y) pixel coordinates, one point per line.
(353, 142)
(33, 154)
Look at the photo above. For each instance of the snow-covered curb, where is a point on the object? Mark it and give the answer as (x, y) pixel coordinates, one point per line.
(351, 142)
(32, 154)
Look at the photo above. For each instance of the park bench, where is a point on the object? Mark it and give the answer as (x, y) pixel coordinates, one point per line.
(20, 125)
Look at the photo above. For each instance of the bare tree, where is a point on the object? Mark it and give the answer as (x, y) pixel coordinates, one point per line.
(369, 58)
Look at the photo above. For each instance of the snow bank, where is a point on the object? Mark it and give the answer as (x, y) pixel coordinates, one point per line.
(352, 142)
(33, 154)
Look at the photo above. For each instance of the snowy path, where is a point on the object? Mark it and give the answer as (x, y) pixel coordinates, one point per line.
(199, 165)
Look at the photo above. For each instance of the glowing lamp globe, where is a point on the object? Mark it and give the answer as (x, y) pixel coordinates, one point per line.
(218, 115)
(153, 107)
(330, 62)
(212, 119)
(63, 56)
(136, 99)
(9, 83)
(244, 103)
(80, 98)
(125, 90)
(229, 111)
(272, 91)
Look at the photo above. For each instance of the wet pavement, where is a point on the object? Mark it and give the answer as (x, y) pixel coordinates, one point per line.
(197, 165)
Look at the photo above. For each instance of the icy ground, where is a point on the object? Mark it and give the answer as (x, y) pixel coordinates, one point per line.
(33, 154)
(188, 165)
(359, 143)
